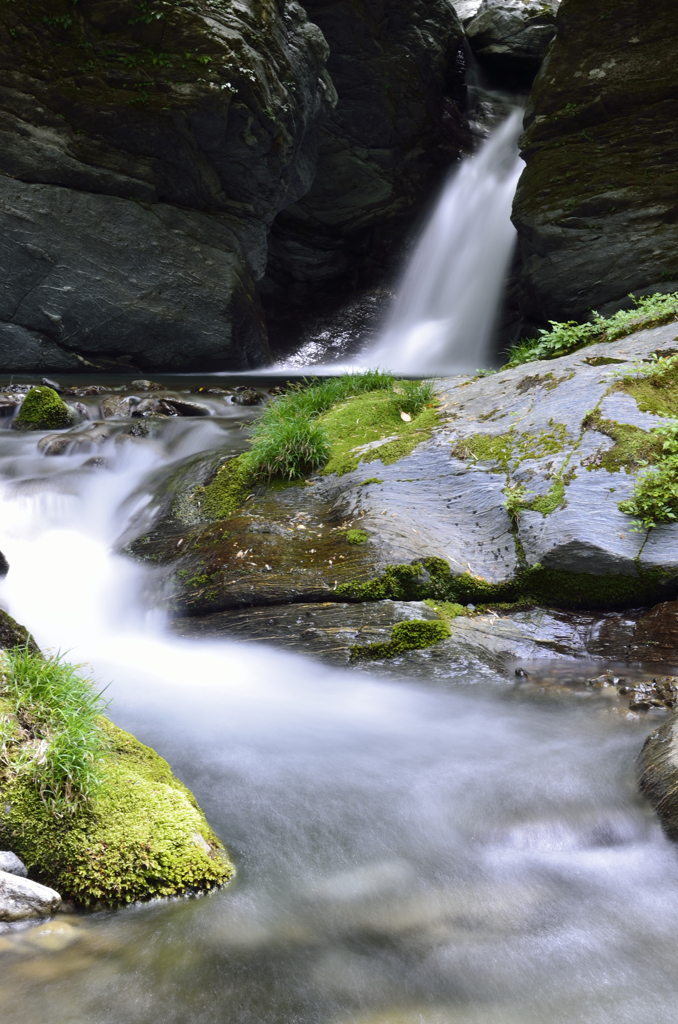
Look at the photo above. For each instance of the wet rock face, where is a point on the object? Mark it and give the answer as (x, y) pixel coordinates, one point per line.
(658, 774)
(138, 177)
(515, 497)
(595, 207)
(656, 635)
(510, 37)
(398, 69)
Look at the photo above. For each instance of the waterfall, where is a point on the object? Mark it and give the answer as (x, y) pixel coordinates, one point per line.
(447, 302)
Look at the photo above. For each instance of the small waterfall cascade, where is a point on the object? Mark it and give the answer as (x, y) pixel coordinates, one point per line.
(447, 302)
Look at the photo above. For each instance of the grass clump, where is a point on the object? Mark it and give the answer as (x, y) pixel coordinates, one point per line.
(564, 338)
(50, 729)
(414, 635)
(323, 425)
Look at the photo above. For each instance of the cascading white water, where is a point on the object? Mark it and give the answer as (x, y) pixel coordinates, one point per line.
(447, 301)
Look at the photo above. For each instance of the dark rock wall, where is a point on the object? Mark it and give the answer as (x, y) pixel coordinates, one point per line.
(145, 148)
(399, 72)
(597, 205)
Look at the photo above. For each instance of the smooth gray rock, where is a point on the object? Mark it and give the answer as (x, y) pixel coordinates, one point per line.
(444, 502)
(22, 899)
(134, 206)
(10, 863)
(399, 71)
(513, 35)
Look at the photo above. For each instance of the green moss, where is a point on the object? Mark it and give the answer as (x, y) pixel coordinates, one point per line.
(447, 610)
(513, 448)
(548, 503)
(654, 386)
(356, 536)
(42, 409)
(143, 837)
(226, 492)
(414, 635)
(535, 585)
(633, 447)
(372, 480)
(371, 417)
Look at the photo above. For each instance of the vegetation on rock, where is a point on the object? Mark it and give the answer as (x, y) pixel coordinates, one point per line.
(330, 425)
(415, 635)
(89, 809)
(564, 338)
(42, 409)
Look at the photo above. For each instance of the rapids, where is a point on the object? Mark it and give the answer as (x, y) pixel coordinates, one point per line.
(407, 853)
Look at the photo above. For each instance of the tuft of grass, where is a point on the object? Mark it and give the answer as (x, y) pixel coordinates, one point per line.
(288, 447)
(564, 338)
(50, 728)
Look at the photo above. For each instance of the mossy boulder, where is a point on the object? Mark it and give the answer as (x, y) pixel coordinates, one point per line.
(658, 774)
(42, 409)
(143, 836)
(595, 206)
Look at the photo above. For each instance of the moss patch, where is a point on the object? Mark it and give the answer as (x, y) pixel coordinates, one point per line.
(536, 585)
(415, 635)
(42, 409)
(371, 417)
(654, 386)
(221, 497)
(144, 835)
(513, 448)
(356, 536)
(633, 446)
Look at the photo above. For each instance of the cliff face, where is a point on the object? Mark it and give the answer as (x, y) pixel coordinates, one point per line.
(597, 205)
(145, 148)
(399, 71)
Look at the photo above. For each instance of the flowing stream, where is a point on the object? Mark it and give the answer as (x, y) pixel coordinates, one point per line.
(407, 853)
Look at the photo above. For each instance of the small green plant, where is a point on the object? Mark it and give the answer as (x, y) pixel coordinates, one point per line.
(50, 728)
(655, 496)
(411, 396)
(564, 338)
(289, 447)
(356, 536)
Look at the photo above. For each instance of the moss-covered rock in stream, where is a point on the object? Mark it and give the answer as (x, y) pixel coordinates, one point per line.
(90, 810)
(143, 837)
(139, 175)
(595, 207)
(514, 496)
(42, 409)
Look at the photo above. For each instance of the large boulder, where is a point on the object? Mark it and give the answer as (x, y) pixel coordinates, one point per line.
(144, 152)
(399, 71)
(596, 205)
(515, 497)
(510, 37)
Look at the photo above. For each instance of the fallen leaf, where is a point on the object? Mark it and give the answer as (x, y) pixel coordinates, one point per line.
(405, 416)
